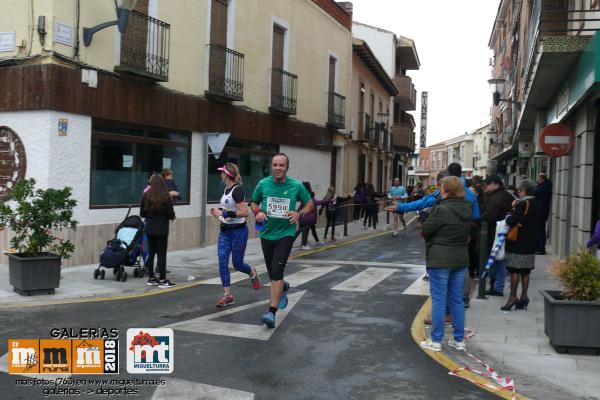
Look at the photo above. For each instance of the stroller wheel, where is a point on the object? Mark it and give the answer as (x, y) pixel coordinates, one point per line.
(136, 272)
(96, 273)
(119, 274)
(124, 277)
(102, 274)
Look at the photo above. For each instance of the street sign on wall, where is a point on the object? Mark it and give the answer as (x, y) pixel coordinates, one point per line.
(423, 137)
(556, 140)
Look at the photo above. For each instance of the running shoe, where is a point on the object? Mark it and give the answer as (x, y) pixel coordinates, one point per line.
(431, 345)
(461, 346)
(152, 282)
(305, 247)
(395, 234)
(165, 284)
(268, 319)
(283, 300)
(255, 280)
(225, 301)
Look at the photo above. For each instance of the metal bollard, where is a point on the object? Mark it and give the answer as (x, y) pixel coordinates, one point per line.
(346, 220)
(483, 257)
(387, 213)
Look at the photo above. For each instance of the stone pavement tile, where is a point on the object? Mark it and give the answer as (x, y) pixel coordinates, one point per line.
(592, 390)
(490, 337)
(530, 340)
(591, 364)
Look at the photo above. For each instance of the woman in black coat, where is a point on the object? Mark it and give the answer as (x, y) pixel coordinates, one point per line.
(157, 209)
(520, 254)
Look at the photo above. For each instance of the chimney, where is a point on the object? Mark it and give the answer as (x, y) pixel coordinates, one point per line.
(347, 6)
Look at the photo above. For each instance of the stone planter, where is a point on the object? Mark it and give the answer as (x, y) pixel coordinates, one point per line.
(571, 326)
(30, 275)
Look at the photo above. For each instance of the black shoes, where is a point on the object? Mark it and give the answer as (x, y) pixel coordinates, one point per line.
(492, 292)
(509, 305)
(522, 304)
(540, 253)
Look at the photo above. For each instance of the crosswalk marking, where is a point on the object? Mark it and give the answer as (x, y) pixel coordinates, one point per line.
(206, 324)
(235, 276)
(419, 287)
(365, 280)
(306, 275)
(183, 389)
(366, 263)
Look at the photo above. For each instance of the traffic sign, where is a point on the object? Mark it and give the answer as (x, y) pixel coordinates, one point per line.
(556, 140)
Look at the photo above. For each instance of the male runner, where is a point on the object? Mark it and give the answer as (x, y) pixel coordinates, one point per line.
(274, 204)
(397, 194)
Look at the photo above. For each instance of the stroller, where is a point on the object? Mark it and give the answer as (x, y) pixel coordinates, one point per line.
(128, 248)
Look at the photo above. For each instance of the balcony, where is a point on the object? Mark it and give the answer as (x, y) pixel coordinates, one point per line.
(376, 136)
(407, 95)
(403, 138)
(365, 127)
(336, 110)
(225, 73)
(284, 92)
(145, 48)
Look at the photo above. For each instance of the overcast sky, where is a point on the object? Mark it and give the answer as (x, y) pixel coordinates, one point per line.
(452, 42)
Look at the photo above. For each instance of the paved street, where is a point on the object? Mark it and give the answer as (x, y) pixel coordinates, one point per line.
(345, 334)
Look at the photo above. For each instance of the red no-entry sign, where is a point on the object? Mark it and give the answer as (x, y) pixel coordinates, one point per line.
(556, 140)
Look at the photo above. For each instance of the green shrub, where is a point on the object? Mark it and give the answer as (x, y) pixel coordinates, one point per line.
(35, 214)
(580, 276)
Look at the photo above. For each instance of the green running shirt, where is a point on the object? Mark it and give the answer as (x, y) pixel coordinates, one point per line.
(275, 200)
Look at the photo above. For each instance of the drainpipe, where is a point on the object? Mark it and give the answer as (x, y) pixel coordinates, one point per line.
(570, 179)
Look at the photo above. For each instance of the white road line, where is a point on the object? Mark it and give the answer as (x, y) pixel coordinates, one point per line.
(366, 263)
(182, 389)
(235, 276)
(205, 324)
(365, 280)
(4, 368)
(419, 287)
(306, 275)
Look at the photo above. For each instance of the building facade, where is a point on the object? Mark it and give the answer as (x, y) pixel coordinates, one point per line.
(546, 59)
(99, 112)
(481, 146)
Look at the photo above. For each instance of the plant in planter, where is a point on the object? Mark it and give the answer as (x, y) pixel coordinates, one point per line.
(572, 317)
(32, 216)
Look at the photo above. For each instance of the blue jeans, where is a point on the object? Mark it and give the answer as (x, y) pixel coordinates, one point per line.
(232, 242)
(446, 286)
(499, 274)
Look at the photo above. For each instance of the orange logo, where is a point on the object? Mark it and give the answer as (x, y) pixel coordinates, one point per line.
(55, 356)
(23, 356)
(88, 356)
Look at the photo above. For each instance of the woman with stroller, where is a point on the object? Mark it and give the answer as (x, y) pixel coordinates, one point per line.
(233, 237)
(157, 209)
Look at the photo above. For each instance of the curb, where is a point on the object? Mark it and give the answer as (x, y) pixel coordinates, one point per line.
(418, 333)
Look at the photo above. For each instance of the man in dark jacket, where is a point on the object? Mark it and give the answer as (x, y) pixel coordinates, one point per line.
(498, 203)
(543, 195)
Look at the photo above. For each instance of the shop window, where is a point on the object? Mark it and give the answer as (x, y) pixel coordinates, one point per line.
(253, 161)
(124, 155)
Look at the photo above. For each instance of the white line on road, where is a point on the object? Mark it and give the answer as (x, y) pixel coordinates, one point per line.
(205, 324)
(419, 287)
(365, 280)
(357, 262)
(182, 389)
(306, 275)
(235, 276)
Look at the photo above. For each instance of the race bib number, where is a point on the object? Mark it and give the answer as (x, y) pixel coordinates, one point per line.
(277, 207)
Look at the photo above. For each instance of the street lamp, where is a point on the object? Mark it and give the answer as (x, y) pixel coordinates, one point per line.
(123, 8)
(497, 88)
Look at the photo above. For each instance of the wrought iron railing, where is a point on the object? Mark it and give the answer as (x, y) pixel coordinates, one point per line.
(336, 110)
(365, 127)
(284, 89)
(145, 47)
(376, 136)
(226, 72)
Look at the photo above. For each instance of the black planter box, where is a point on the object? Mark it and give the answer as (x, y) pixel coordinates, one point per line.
(571, 326)
(29, 275)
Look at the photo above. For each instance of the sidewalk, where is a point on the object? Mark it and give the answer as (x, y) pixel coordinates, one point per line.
(514, 344)
(187, 268)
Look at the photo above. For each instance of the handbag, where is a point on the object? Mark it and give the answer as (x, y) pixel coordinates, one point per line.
(500, 229)
(513, 233)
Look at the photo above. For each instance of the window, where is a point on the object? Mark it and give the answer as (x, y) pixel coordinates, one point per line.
(123, 155)
(253, 161)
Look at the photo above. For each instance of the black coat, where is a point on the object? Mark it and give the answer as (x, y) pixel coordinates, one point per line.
(527, 238)
(543, 194)
(157, 221)
(497, 204)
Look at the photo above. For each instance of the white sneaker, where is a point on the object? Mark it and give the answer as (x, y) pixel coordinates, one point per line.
(305, 247)
(457, 345)
(431, 345)
(395, 234)
(364, 228)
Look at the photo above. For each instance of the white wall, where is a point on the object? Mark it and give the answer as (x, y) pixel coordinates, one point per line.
(313, 166)
(381, 43)
(59, 161)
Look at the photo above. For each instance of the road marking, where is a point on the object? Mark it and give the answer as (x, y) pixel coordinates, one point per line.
(306, 275)
(419, 287)
(235, 276)
(182, 389)
(366, 263)
(365, 280)
(206, 324)
(4, 368)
